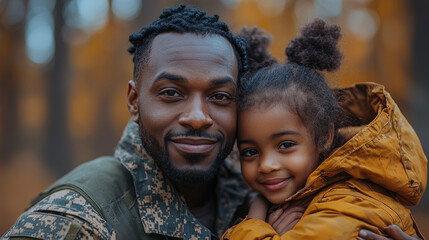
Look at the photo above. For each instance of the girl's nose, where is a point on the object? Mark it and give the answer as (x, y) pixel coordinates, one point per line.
(268, 164)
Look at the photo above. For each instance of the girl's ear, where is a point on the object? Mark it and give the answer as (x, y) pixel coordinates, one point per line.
(329, 138)
(132, 100)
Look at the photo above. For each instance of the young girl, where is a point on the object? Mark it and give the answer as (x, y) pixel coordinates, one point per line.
(348, 156)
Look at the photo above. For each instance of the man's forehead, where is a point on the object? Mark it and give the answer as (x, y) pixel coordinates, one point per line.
(192, 43)
(192, 54)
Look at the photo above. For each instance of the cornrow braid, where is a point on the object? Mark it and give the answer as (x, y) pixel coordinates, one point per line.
(258, 55)
(184, 19)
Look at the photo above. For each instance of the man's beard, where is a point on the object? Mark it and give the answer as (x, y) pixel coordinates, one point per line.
(162, 159)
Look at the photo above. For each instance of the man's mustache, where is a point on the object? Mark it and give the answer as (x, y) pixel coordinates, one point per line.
(194, 133)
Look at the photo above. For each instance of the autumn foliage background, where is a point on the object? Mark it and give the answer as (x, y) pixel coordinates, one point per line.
(64, 70)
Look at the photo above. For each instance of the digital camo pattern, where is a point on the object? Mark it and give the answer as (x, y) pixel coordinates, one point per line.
(71, 203)
(62, 213)
(162, 209)
(35, 225)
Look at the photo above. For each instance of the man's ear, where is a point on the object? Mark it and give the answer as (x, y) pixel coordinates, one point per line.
(132, 100)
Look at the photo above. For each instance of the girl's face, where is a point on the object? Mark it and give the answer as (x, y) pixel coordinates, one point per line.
(277, 151)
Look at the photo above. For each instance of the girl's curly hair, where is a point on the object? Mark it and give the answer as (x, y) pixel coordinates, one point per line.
(299, 83)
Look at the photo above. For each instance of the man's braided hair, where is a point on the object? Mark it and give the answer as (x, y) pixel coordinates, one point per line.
(184, 19)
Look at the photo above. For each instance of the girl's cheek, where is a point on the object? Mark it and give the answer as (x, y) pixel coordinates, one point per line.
(248, 171)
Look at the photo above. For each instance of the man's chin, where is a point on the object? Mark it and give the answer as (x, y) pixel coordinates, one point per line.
(192, 161)
(192, 174)
(196, 159)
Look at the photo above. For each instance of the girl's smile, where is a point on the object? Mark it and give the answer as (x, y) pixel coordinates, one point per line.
(274, 184)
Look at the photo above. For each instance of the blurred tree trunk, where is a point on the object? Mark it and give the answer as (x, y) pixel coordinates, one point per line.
(8, 94)
(57, 149)
(11, 43)
(420, 84)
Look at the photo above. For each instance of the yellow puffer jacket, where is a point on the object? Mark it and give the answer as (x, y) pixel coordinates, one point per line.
(362, 184)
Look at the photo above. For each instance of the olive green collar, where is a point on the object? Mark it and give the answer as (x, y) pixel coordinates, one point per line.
(162, 209)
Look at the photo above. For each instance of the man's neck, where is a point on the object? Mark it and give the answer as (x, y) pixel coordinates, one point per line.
(196, 195)
(201, 201)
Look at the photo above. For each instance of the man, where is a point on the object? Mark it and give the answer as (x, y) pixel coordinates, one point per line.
(169, 178)
(176, 183)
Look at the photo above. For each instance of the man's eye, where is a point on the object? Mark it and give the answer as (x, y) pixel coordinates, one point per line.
(286, 145)
(249, 153)
(170, 93)
(221, 97)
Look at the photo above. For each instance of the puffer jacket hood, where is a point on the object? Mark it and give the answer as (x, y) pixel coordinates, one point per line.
(386, 151)
(364, 183)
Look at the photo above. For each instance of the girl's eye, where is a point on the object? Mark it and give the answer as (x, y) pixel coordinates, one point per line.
(286, 145)
(249, 152)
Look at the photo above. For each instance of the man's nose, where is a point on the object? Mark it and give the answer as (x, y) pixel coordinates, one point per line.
(196, 114)
(268, 164)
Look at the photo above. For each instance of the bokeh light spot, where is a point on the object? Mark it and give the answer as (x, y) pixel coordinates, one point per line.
(39, 36)
(87, 15)
(363, 23)
(272, 8)
(126, 9)
(232, 4)
(15, 12)
(327, 8)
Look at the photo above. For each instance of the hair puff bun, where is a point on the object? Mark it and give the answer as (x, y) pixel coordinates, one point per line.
(316, 48)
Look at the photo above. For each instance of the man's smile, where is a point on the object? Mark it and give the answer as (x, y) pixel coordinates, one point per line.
(194, 145)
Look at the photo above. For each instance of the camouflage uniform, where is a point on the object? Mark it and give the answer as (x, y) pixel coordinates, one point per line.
(68, 215)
